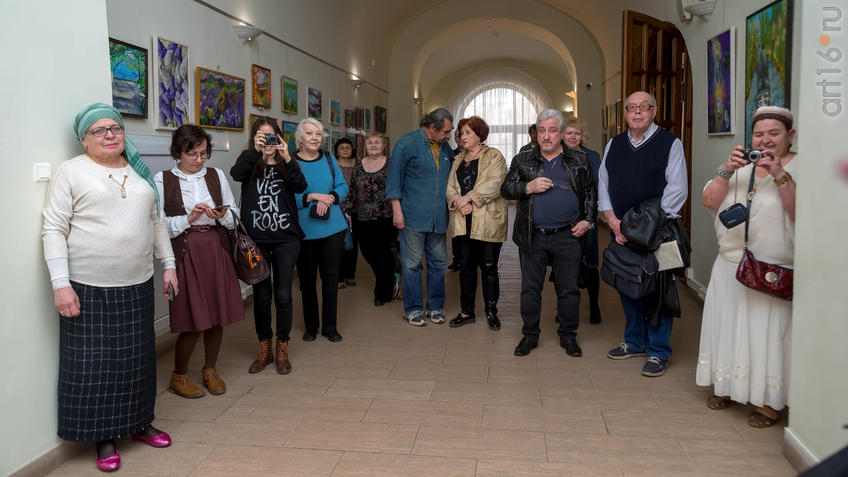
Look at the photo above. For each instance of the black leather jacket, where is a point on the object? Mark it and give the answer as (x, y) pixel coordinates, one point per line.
(527, 166)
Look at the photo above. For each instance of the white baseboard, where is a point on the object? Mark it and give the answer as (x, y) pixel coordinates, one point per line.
(699, 289)
(796, 452)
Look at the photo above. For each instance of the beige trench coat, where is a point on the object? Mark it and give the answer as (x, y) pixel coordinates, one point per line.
(488, 211)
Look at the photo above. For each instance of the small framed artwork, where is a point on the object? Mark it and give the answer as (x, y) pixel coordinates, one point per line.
(129, 78)
(315, 109)
(379, 119)
(253, 117)
(768, 55)
(289, 95)
(360, 146)
(260, 80)
(335, 112)
(220, 100)
(334, 137)
(359, 118)
(172, 84)
(289, 129)
(348, 118)
(367, 124)
(325, 141)
(721, 71)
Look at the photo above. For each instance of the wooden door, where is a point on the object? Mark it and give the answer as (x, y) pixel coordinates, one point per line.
(654, 59)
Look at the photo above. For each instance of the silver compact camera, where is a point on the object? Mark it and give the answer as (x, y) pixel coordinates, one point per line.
(752, 155)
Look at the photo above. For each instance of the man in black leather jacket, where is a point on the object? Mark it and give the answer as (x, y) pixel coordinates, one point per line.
(557, 204)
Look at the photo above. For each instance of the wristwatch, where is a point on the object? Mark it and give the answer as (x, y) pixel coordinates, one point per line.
(722, 172)
(783, 179)
(591, 225)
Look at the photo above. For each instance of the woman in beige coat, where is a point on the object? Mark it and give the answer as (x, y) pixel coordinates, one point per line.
(478, 218)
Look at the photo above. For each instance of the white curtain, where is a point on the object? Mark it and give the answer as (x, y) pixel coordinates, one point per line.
(507, 99)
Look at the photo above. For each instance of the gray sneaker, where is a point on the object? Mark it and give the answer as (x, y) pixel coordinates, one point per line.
(654, 367)
(623, 351)
(437, 317)
(415, 318)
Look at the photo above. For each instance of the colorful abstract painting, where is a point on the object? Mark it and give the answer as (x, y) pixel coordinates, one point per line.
(289, 128)
(220, 100)
(335, 112)
(172, 79)
(261, 83)
(129, 78)
(768, 51)
(254, 117)
(721, 61)
(380, 119)
(289, 95)
(367, 119)
(315, 109)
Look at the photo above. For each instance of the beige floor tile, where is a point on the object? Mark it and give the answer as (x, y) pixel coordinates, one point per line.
(441, 372)
(359, 464)
(738, 417)
(480, 443)
(487, 393)
(690, 399)
(567, 376)
(543, 418)
(513, 468)
(228, 461)
(380, 389)
(669, 424)
(566, 397)
(483, 357)
(139, 459)
(330, 409)
(662, 454)
(364, 437)
(270, 383)
(749, 458)
(400, 355)
(348, 368)
(265, 432)
(431, 413)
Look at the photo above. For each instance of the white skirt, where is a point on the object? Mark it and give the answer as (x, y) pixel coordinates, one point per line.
(745, 341)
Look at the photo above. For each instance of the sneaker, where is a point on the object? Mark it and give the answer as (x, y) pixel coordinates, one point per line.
(654, 367)
(342, 285)
(437, 317)
(623, 351)
(415, 318)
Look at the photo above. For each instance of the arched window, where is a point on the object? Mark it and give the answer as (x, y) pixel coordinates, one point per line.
(508, 114)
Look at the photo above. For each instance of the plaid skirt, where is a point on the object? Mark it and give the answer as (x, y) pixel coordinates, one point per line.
(107, 363)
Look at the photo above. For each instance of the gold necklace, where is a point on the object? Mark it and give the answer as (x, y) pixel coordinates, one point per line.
(121, 185)
(475, 155)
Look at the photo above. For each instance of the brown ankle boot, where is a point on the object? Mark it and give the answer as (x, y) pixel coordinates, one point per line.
(213, 382)
(283, 364)
(181, 385)
(266, 357)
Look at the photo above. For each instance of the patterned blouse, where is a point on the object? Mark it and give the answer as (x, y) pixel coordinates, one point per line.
(368, 193)
(347, 172)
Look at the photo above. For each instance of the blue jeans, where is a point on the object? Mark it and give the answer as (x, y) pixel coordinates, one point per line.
(413, 246)
(654, 340)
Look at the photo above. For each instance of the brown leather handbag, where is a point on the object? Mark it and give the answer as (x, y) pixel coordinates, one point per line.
(758, 275)
(251, 266)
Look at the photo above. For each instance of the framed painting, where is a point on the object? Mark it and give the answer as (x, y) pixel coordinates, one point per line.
(129, 78)
(288, 129)
(325, 141)
(289, 95)
(348, 118)
(358, 118)
(172, 82)
(315, 110)
(367, 124)
(335, 112)
(360, 146)
(721, 69)
(768, 53)
(380, 119)
(334, 137)
(253, 117)
(220, 100)
(260, 81)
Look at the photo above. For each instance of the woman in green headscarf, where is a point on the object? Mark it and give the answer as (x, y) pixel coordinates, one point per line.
(101, 232)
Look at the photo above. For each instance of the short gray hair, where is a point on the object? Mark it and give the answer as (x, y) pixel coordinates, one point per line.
(653, 98)
(551, 114)
(436, 118)
(299, 131)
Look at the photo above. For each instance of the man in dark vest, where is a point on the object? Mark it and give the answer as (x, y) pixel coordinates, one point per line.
(556, 192)
(643, 162)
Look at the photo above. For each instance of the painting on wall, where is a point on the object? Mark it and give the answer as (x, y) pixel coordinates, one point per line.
(289, 128)
(129, 78)
(721, 61)
(253, 117)
(260, 79)
(348, 118)
(289, 95)
(367, 124)
(358, 118)
(172, 82)
(335, 112)
(325, 140)
(315, 110)
(360, 146)
(768, 51)
(380, 119)
(334, 137)
(220, 100)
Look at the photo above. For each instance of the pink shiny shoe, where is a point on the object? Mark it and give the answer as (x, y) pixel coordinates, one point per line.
(159, 440)
(109, 464)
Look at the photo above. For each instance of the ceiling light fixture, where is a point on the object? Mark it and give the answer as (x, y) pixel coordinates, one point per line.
(247, 32)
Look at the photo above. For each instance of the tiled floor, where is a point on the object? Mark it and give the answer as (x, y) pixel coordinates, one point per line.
(395, 400)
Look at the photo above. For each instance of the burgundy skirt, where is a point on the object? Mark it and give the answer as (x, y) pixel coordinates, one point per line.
(209, 293)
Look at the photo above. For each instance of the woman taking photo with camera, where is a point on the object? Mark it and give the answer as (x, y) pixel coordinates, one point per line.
(269, 179)
(745, 333)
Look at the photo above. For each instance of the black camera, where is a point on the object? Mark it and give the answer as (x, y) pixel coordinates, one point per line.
(271, 139)
(752, 155)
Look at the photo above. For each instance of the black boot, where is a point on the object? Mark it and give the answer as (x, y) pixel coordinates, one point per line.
(594, 284)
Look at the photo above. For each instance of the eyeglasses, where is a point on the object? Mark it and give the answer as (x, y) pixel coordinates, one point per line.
(196, 155)
(639, 107)
(100, 132)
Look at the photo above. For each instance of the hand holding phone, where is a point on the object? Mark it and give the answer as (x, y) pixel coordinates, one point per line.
(221, 208)
(171, 294)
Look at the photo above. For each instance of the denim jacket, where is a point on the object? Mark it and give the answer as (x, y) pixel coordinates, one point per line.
(414, 179)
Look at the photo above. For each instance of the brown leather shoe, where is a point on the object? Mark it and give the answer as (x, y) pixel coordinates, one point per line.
(213, 382)
(283, 364)
(265, 357)
(181, 385)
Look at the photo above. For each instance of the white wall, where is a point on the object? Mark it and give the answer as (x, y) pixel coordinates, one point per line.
(51, 68)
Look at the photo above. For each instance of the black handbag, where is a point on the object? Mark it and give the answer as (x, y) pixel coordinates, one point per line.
(643, 224)
(632, 273)
(251, 266)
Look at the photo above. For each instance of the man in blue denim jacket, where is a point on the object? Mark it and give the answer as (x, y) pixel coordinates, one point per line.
(416, 185)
